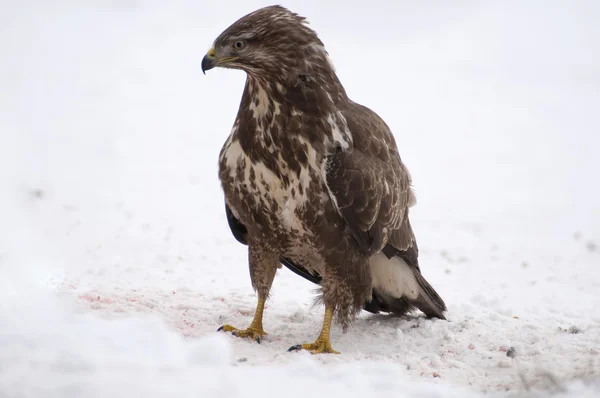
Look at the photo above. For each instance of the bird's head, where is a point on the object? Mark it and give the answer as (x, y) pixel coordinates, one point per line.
(270, 42)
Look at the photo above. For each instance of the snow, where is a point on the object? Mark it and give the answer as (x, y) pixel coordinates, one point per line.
(116, 262)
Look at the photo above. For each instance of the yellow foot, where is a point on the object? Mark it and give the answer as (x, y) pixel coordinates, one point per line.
(318, 347)
(255, 333)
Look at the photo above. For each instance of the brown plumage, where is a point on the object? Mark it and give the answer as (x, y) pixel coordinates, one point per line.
(314, 180)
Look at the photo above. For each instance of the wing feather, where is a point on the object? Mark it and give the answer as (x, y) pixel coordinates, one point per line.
(370, 185)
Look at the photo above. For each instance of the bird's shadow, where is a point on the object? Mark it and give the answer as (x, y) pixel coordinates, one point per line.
(411, 321)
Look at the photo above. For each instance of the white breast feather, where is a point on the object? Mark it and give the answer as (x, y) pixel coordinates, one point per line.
(233, 155)
(260, 109)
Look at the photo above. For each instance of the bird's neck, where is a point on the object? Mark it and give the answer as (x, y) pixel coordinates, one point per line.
(261, 100)
(274, 116)
(312, 95)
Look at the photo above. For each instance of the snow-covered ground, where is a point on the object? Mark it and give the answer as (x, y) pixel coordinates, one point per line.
(116, 262)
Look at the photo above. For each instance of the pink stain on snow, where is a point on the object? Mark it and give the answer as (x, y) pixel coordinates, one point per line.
(190, 324)
(95, 299)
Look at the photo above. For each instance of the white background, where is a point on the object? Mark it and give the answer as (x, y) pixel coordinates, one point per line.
(117, 264)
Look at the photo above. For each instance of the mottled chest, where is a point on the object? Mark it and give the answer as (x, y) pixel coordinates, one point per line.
(273, 192)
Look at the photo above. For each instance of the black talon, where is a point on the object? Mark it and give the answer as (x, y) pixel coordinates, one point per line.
(258, 339)
(234, 334)
(296, 347)
(220, 328)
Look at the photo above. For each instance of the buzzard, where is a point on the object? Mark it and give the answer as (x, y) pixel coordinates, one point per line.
(313, 180)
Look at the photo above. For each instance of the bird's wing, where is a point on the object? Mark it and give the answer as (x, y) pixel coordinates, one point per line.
(240, 232)
(370, 186)
(372, 191)
(238, 229)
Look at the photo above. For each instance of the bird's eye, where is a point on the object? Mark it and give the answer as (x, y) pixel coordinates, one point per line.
(238, 45)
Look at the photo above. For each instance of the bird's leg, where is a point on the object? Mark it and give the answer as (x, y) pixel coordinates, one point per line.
(263, 266)
(255, 330)
(323, 343)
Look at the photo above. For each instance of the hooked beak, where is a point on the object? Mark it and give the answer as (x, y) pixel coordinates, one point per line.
(209, 61)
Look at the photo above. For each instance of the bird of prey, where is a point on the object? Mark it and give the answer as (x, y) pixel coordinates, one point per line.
(313, 180)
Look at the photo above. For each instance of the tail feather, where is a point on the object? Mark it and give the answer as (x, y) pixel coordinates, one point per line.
(428, 301)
